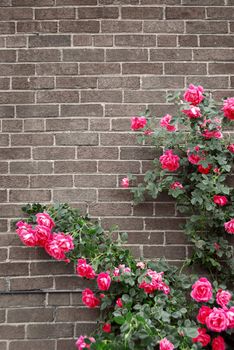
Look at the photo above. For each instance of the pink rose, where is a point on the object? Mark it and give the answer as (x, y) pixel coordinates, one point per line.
(231, 148)
(26, 234)
(229, 226)
(218, 343)
(165, 344)
(121, 269)
(125, 182)
(89, 298)
(223, 297)
(212, 134)
(44, 219)
(217, 320)
(193, 112)
(202, 290)
(202, 337)
(59, 245)
(170, 161)
(141, 265)
(81, 344)
(43, 234)
(194, 158)
(155, 284)
(194, 94)
(103, 281)
(220, 200)
(119, 302)
(203, 313)
(165, 123)
(228, 108)
(65, 241)
(85, 270)
(176, 185)
(106, 328)
(203, 170)
(138, 123)
(230, 316)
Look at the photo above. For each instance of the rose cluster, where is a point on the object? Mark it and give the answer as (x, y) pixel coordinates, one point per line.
(156, 282)
(218, 319)
(55, 244)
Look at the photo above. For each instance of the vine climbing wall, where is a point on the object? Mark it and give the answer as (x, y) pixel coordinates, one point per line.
(72, 73)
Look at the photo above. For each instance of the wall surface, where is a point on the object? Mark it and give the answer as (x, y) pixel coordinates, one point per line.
(72, 73)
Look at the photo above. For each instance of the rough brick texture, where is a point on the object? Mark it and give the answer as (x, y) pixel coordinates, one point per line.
(72, 73)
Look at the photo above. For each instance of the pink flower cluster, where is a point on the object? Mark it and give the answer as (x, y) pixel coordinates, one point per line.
(170, 161)
(165, 123)
(55, 244)
(228, 108)
(229, 226)
(156, 282)
(138, 123)
(85, 270)
(121, 270)
(216, 319)
(81, 344)
(165, 344)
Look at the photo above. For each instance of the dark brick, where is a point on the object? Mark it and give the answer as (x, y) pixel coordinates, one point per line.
(162, 82)
(15, 153)
(11, 332)
(135, 40)
(32, 345)
(188, 40)
(144, 96)
(82, 40)
(76, 2)
(214, 54)
(33, 3)
(42, 153)
(74, 195)
(38, 55)
(217, 40)
(26, 300)
(64, 167)
(57, 69)
(170, 54)
(16, 97)
(69, 314)
(7, 27)
(123, 223)
(58, 96)
(14, 13)
(76, 82)
(4, 83)
(126, 55)
(55, 13)
(163, 27)
(98, 12)
(23, 167)
(110, 209)
(50, 181)
(167, 40)
(221, 68)
(220, 12)
(99, 68)
(26, 196)
(13, 269)
(164, 224)
(90, 152)
(185, 12)
(27, 253)
(103, 40)
(32, 140)
(210, 82)
(101, 96)
(79, 26)
(49, 41)
(143, 68)
(16, 42)
(185, 68)
(95, 181)
(10, 210)
(89, 110)
(66, 124)
(36, 27)
(119, 82)
(32, 83)
(49, 331)
(83, 55)
(121, 26)
(170, 253)
(79, 139)
(55, 268)
(204, 27)
(28, 284)
(142, 12)
(116, 167)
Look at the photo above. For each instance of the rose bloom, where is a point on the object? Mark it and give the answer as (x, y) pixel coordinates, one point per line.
(85, 270)
(26, 234)
(212, 134)
(59, 245)
(223, 297)
(44, 219)
(119, 302)
(229, 226)
(176, 185)
(165, 123)
(216, 246)
(138, 123)
(202, 337)
(228, 108)
(43, 234)
(231, 148)
(106, 328)
(230, 316)
(193, 112)
(165, 344)
(194, 94)
(89, 298)
(202, 290)
(220, 200)
(103, 281)
(81, 344)
(218, 343)
(170, 161)
(125, 182)
(141, 265)
(217, 320)
(203, 170)
(203, 313)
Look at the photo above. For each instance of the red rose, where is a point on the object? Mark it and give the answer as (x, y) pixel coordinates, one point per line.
(89, 298)
(85, 270)
(231, 148)
(125, 182)
(202, 290)
(103, 281)
(59, 245)
(230, 316)
(202, 337)
(212, 134)
(229, 226)
(106, 328)
(223, 297)
(220, 200)
(217, 320)
(26, 234)
(43, 234)
(228, 108)
(170, 161)
(218, 344)
(194, 94)
(203, 313)
(193, 112)
(138, 123)
(44, 219)
(119, 302)
(203, 170)
(165, 123)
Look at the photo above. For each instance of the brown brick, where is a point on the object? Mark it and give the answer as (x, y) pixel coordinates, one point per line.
(49, 41)
(142, 12)
(119, 2)
(231, 27)
(99, 68)
(116, 139)
(209, 82)
(163, 27)
(32, 140)
(64, 167)
(33, 125)
(31, 167)
(27, 253)
(5, 3)
(170, 54)
(69, 314)
(142, 68)
(15, 153)
(32, 83)
(76, 2)
(101, 96)
(99, 124)
(10, 210)
(4, 83)
(79, 139)
(38, 55)
(188, 40)
(103, 40)
(176, 237)
(217, 40)
(170, 253)
(11, 332)
(116, 167)
(95, 181)
(16, 97)
(87, 152)
(17, 69)
(83, 55)
(121, 26)
(167, 40)
(221, 68)
(57, 69)
(135, 40)
(214, 54)
(26, 196)
(142, 237)
(89, 110)
(164, 224)
(41, 268)
(36, 27)
(220, 12)
(204, 27)
(144, 97)
(55, 13)
(204, 2)
(76, 82)
(50, 181)
(126, 55)
(49, 331)
(15, 300)
(74, 195)
(17, 41)
(110, 209)
(30, 284)
(82, 40)
(3, 225)
(185, 12)
(119, 82)
(58, 96)
(4, 168)
(123, 223)
(6, 112)
(12, 13)
(32, 345)
(160, 2)
(137, 153)
(98, 12)
(66, 124)
(60, 299)
(115, 195)
(118, 124)
(162, 82)
(79, 26)
(7, 27)
(7, 56)
(3, 257)
(3, 196)
(185, 68)
(4, 140)
(13, 269)
(33, 3)
(124, 110)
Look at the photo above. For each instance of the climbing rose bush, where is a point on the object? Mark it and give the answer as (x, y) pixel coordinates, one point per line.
(195, 162)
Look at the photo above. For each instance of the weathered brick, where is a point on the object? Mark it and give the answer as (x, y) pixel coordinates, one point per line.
(166, 40)
(61, 167)
(142, 68)
(144, 97)
(220, 12)
(3, 195)
(89, 110)
(91, 152)
(176, 237)
(110, 209)
(162, 82)
(32, 140)
(214, 54)
(76, 82)
(41, 268)
(32, 83)
(123, 223)
(26, 196)
(36, 3)
(142, 12)
(204, 2)
(188, 40)
(3, 225)
(137, 153)
(185, 12)
(99, 124)
(121, 26)
(38, 55)
(3, 257)
(32, 344)
(13, 269)
(115, 139)
(17, 69)
(185, 68)
(135, 40)
(209, 82)
(7, 27)
(55, 13)
(4, 140)
(66, 124)
(30, 284)
(163, 27)
(217, 40)
(83, 55)
(10, 210)
(119, 82)
(14, 13)
(99, 68)
(15, 300)
(204, 27)
(170, 54)
(171, 253)
(95, 181)
(221, 68)
(79, 139)
(26, 253)
(116, 195)
(98, 12)
(79, 26)
(69, 314)
(15, 153)
(57, 69)
(163, 224)
(103, 40)
(101, 96)
(49, 331)
(76, 2)
(126, 55)
(36, 27)
(61, 299)
(4, 83)
(119, 2)
(49, 41)
(16, 97)
(116, 167)
(11, 332)
(50, 181)
(23, 167)
(74, 195)
(16, 42)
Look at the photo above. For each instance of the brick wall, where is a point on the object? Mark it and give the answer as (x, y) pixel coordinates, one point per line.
(72, 72)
